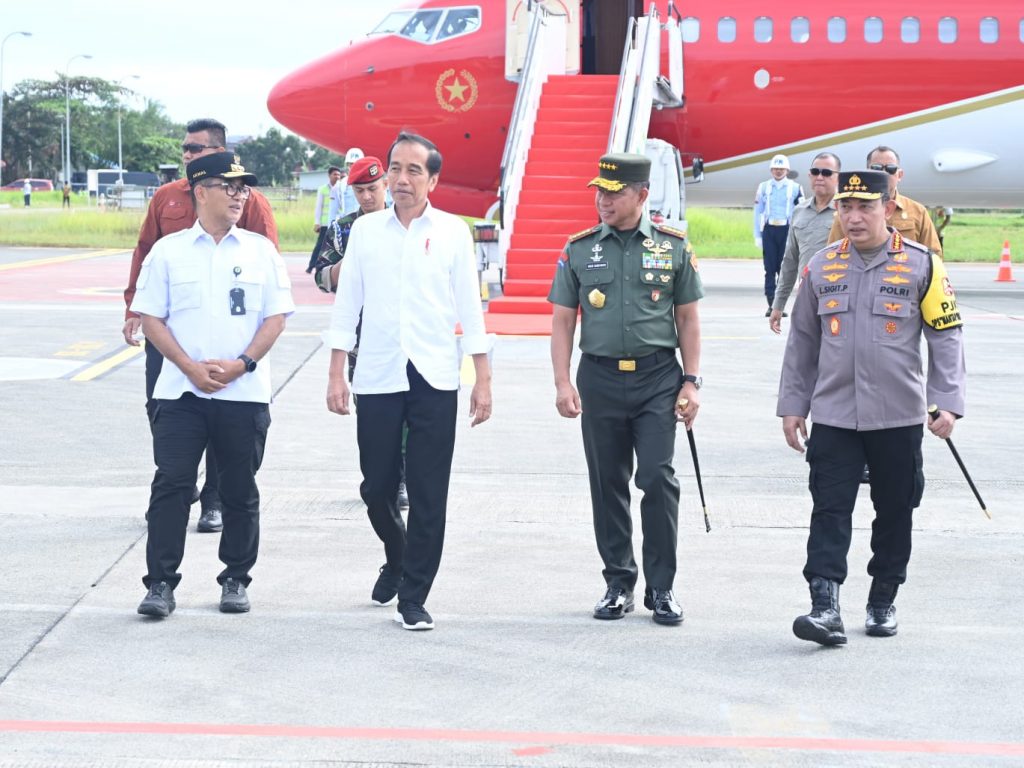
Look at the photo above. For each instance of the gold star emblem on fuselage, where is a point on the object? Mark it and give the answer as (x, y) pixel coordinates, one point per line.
(456, 91)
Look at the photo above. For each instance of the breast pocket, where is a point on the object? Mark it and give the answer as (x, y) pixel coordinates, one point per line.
(184, 289)
(253, 293)
(595, 285)
(892, 320)
(834, 312)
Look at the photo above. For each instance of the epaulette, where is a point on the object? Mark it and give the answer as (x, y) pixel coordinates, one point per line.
(584, 233)
(844, 246)
(914, 244)
(669, 230)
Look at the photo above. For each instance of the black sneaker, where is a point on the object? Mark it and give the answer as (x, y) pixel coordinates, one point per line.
(210, 521)
(233, 598)
(195, 495)
(615, 604)
(385, 591)
(663, 603)
(159, 600)
(413, 616)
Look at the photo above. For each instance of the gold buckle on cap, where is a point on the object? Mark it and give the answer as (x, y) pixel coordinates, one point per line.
(627, 365)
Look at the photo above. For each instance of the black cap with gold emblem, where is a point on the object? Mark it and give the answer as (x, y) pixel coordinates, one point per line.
(865, 185)
(219, 165)
(619, 169)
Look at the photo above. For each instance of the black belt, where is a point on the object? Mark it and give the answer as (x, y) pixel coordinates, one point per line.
(630, 364)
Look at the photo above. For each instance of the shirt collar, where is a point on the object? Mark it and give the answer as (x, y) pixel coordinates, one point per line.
(198, 233)
(644, 228)
(428, 214)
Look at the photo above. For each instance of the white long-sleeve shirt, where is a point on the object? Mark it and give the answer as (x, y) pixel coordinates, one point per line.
(412, 285)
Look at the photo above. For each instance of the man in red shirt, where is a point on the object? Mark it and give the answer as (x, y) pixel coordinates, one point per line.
(171, 211)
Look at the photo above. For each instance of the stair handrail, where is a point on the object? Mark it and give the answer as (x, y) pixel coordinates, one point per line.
(649, 67)
(545, 55)
(627, 53)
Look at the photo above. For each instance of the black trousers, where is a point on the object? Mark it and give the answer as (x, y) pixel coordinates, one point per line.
(430, 415)
(837, 458)
(626, 413)
(773, 248)
(236, 433)
(208, 496)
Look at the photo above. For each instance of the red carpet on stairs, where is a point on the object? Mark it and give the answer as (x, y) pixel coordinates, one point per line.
(570, 135)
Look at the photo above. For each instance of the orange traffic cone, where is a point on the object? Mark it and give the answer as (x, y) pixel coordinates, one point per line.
(1005, 266)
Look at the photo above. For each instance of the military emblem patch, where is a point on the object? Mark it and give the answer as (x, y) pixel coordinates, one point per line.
(834, 326)
(890, 327)
(833, 278)
(895, 280)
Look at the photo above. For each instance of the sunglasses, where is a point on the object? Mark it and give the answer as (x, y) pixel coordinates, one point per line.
(888, 168)
(826, 172)
(197, 148)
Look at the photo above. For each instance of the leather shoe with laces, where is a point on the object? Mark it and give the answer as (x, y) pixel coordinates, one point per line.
(663, 603)
(385, 591)
(159, 600)
(233, 598)
(616, 603)
(413, 616)
(210, 521)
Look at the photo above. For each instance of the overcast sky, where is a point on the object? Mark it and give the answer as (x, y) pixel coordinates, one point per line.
(199, 59)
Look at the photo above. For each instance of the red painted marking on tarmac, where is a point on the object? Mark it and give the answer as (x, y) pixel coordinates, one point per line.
(776, 743)
(530, 751)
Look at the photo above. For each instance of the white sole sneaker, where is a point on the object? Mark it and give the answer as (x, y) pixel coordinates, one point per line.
(392, 601)
(418, 626)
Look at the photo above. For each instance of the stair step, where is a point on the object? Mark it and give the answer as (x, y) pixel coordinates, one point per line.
(553, 242)
(572, 129)
(573, 169)
(529, 272)
(593, 143)
(516, 305)
(570, 212)
(561, 227)
(572, 188)
(572, 114)
(584, 156)
(532, 287)
(582, 196)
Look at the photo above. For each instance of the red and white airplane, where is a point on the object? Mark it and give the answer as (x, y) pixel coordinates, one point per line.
(941, 81)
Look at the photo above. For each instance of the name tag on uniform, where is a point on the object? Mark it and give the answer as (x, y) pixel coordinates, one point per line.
(597, 265)
(237, 299)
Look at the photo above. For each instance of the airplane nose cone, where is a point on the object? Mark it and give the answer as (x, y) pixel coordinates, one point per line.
(311, 101)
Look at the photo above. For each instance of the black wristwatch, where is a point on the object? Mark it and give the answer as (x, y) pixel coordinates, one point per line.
(250, 364)
(697, 381)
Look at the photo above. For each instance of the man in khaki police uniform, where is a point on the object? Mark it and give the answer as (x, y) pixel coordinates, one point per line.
(853, 361)
(908, 217)
(637, 286)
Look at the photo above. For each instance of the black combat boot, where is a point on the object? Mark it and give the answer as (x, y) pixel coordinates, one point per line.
(823, 624)
(881, 620)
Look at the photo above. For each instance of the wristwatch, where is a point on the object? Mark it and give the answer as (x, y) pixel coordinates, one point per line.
(250, 364)
(697, 381)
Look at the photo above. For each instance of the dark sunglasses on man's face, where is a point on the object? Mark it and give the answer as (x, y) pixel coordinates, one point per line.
(826, 172)
(888, 168)
(195, 149)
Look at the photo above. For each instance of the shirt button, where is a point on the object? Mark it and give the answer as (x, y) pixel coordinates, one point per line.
(627, 329)
(627, 277)
(627, 252)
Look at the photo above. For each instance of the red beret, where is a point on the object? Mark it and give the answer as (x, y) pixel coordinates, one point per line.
(365, 170)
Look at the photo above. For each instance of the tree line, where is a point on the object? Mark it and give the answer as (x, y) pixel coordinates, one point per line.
(34, 118)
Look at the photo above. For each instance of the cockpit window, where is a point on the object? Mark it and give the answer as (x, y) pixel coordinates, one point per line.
(459, 21)
(431, 25)
(392, 23)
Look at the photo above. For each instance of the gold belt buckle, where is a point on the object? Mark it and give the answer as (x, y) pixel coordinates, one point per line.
(627, 365)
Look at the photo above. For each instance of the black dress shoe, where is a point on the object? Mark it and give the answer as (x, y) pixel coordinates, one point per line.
(663, 603)
(233, 597)
(823, 625)
(615, 604)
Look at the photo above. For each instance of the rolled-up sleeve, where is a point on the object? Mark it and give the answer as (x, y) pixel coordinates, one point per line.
(466, 291)
(348, 301)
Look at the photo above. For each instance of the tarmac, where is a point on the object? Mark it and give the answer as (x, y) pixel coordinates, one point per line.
(517, 673)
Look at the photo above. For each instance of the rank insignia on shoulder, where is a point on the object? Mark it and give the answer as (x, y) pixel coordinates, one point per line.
(584, 233)
(669, 230)
(830, 255)
(897, 241)
(693, 262)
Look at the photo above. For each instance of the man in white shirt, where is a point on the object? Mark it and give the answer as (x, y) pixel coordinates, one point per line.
(411, 270)
(213, 299)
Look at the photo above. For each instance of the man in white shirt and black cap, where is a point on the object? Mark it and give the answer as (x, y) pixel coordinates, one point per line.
(213, 299)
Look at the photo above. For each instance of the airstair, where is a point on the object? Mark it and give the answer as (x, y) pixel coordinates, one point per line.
(560, 125)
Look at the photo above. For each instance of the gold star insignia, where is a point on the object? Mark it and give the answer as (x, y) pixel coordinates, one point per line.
(455, 90)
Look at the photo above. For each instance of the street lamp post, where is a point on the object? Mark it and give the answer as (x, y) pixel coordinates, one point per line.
(67, 117)
(120, 161)
(2, 44)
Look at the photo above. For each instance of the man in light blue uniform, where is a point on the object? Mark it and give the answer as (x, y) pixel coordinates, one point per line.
(773, 212)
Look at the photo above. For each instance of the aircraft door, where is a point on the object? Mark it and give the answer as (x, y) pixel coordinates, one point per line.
(604, 33)
(517, 33)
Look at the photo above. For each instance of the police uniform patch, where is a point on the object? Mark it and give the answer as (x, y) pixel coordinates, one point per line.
(834, 326)
(895, 280)
(584, 233)
(833, 267)
(890, 327)
(891, 307)
(938, 307)
(833, 278)
(898, 268)
(830, 255)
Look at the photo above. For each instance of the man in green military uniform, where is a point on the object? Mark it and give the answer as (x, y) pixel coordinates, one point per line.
(637, 287)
